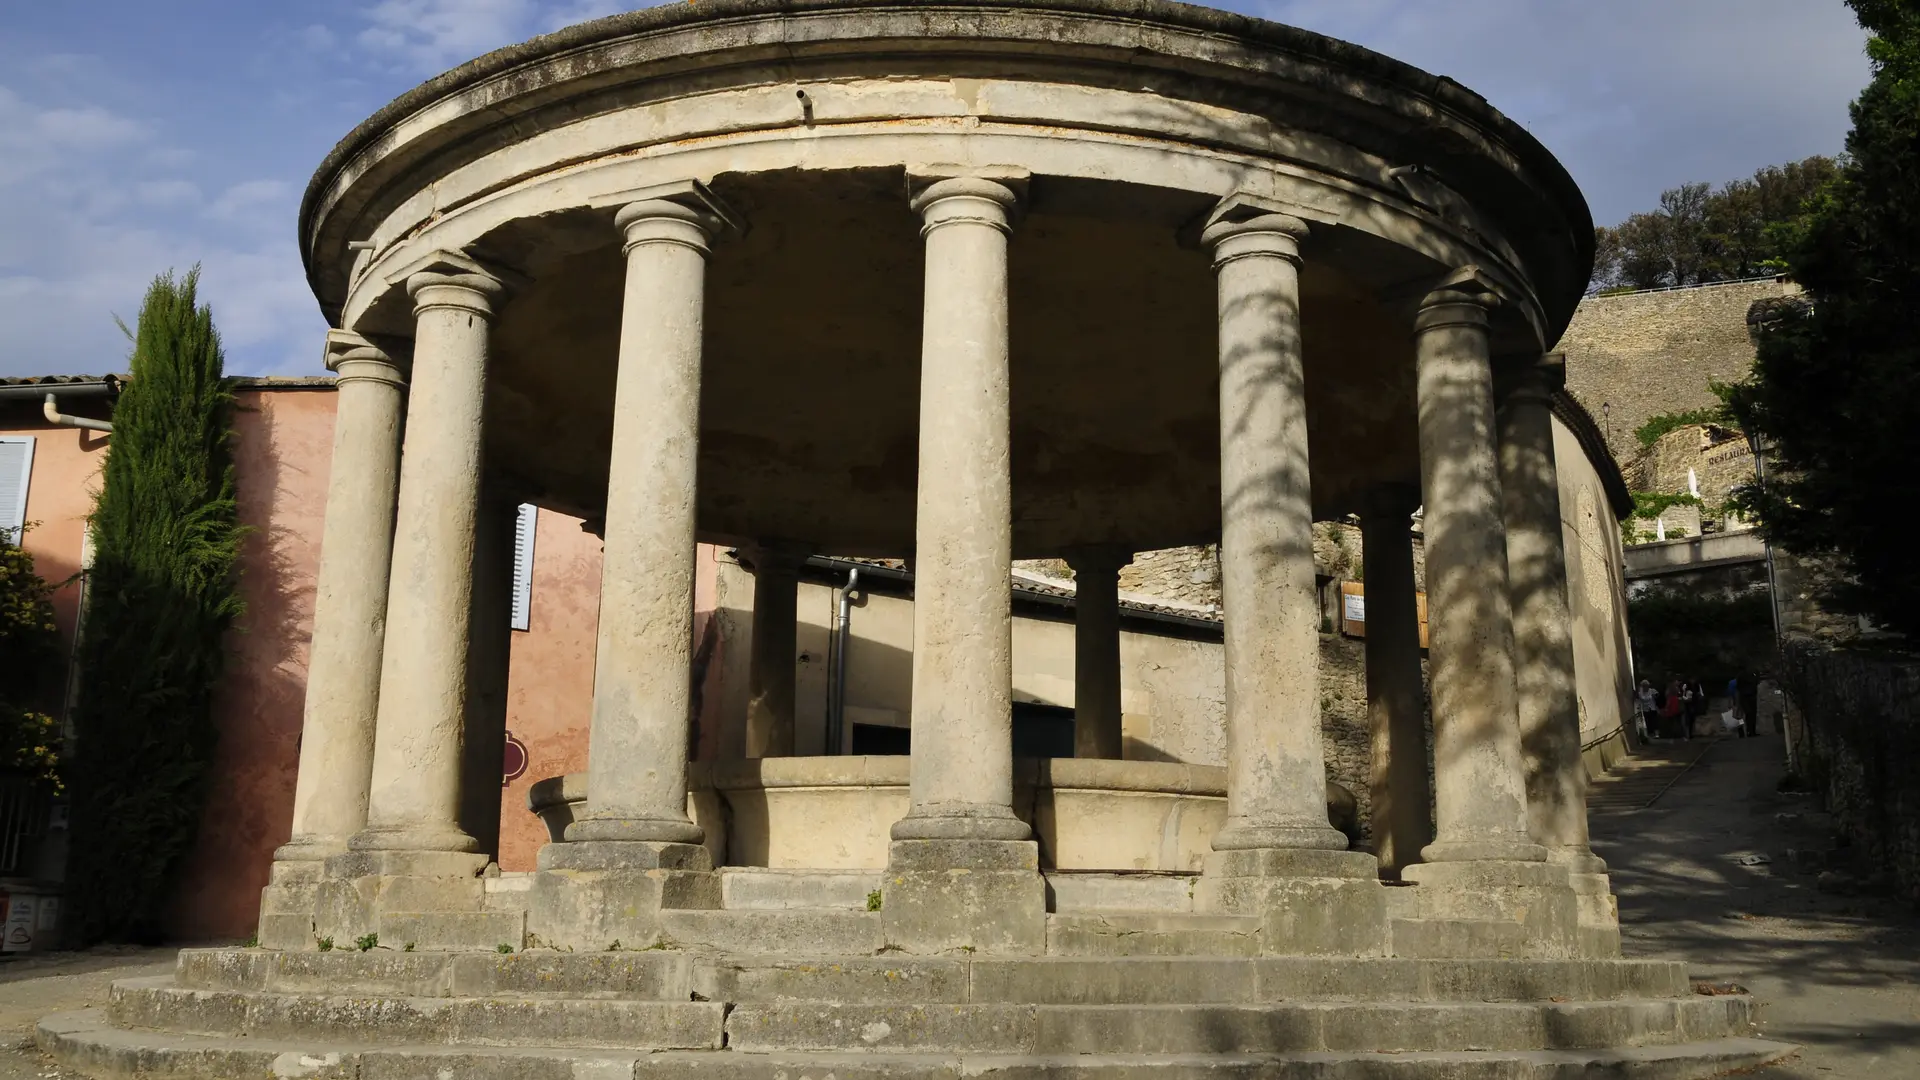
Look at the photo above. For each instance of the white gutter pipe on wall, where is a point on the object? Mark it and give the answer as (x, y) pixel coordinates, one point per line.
(841, 637)
(55, 416)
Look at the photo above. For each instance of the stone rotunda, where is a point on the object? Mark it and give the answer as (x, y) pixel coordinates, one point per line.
(954, 283)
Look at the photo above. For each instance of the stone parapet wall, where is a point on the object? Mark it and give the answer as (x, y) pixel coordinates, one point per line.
(1855, 725)
(1635, 356)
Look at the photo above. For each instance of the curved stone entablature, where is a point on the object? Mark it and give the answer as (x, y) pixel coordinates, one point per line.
(1125, 127)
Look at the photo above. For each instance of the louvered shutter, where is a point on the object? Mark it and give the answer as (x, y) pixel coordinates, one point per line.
(523, 530)
(16, 468)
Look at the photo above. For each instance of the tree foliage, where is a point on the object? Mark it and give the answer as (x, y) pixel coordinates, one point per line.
(29, 659)
(1700, 235)
(166, 543)
(1835, 387)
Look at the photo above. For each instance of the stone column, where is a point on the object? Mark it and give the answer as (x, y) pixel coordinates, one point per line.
(415, 800)
(1396, 697)
(350, 604)
(1480, 802)
(1276, 774)
(1276, 858)
(962, 766)
(776, 583)
(489, 652)
(1548, 705)
(1096, 650)
(642, 685)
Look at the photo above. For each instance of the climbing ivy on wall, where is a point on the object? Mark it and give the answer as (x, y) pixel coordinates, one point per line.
(161, 597)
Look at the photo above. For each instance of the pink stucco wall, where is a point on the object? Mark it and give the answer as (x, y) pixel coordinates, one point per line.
(282, 447)
(66, 464)
(550, 678)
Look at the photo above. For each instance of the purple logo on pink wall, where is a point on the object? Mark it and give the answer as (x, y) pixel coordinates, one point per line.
(515, 760)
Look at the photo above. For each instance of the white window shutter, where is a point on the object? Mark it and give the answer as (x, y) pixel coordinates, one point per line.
(16, 468)
(523, 530)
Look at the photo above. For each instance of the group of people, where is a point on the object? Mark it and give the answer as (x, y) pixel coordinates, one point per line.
(1676, 711)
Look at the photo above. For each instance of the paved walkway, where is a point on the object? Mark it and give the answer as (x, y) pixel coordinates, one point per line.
(32, 986)
(1835, 970)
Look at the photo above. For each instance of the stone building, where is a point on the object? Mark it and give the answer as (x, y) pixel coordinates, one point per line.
(951, 284)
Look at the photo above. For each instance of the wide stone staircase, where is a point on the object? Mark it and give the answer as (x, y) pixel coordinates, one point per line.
(792, 981)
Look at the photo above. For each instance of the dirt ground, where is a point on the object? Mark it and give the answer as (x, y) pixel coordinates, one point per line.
(1836, 967)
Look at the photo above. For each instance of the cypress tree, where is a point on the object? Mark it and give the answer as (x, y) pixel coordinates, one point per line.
(166, 544)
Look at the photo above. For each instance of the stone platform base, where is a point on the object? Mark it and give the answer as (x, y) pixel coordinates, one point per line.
(703, 1013)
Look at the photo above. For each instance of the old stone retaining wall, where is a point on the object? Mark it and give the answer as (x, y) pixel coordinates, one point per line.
(1857, 739)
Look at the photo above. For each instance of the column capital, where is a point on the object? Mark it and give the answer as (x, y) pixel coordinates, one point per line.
(966, 200)
(476, 293)
(1390, 501)
(663, 221)
(1097, 558)
(1531, 379)
(1271, 235)
(356, 358)
(777, 555)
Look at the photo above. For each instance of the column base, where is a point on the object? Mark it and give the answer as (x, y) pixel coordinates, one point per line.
(1517, 849)
(668, 831)
(596, 896)
(1311, 902)
(1488, 910)
(961, 822)
(410, 838)
(964, 895)
(1577, 860)
(1247, 836)
(309, 849)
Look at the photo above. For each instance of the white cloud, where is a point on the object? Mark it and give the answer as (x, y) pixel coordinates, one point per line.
(432, 35)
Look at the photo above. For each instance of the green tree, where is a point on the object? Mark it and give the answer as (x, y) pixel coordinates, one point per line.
(161, 597)
(1835, 387)
(1700, 235)
(29, 659)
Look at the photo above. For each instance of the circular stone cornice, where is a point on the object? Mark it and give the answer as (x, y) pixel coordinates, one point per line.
(1384, 106)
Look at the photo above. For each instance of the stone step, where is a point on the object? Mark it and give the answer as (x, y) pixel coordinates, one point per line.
(85, 1042)
(671, 975)
(458, 930)
(1129, 933)
(791, 932)
(1446, 939)
(159, 1005)
(758, 888)
(652, 974)
(1376, 1027)
(1070, 891)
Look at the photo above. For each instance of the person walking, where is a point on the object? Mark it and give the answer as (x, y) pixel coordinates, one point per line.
(1646, 706)
(1671, 707)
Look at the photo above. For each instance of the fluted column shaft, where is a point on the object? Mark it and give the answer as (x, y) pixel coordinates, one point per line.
(349, 609)
(1096, 651)
(962, 763)
(1396, 698)
(1480, 798)
(770, 696)
(414, 803)
(1276, 772)
(642, 685)
(1548, 703)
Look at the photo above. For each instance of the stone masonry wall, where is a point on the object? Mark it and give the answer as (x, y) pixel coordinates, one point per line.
(1635, 356)
(1858, 735)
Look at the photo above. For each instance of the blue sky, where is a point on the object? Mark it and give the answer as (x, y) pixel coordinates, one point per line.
(138, 135)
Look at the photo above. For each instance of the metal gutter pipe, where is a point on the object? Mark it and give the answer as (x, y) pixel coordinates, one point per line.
(842, 634)
(54, 416)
